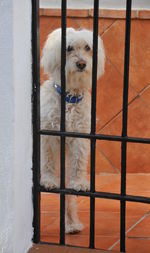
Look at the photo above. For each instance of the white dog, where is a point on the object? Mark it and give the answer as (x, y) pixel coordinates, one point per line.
(79, 46)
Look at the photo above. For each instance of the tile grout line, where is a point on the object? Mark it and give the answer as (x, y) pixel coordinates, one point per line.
(132, 227)
(101, 34)
(144, 89)
(138, 93)
(141, 95)
(117, 114)
(110, 162)
(121, 75)
(115, 67)
(106, 30)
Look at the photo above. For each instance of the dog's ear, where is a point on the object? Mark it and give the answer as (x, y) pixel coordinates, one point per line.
(51, 53)
(101, 58)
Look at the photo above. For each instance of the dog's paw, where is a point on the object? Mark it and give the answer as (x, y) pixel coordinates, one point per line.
(80, 185)
(49, 182)
(73, 228)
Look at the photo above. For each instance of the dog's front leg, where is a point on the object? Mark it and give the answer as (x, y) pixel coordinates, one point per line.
(78, 152)
(49, 162)
(72, 223)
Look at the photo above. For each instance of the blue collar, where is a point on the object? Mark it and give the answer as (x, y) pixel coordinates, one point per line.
(69, 98)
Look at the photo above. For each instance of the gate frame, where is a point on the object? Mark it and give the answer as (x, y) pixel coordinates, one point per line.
(92, 136)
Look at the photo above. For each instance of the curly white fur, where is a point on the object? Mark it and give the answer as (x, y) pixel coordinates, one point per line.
(78, 82)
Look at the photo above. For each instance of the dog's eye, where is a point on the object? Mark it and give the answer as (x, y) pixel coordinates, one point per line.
(70, 48)
(87, 48)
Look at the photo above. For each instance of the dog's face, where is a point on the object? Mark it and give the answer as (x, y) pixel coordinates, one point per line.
(79, 45)
(79, 58)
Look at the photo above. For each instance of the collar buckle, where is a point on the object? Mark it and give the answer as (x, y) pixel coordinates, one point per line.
(69, 98)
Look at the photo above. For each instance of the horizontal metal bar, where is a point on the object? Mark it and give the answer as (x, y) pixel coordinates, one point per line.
(105, 195)
(66, 245)
(96, 136)
(138, 140)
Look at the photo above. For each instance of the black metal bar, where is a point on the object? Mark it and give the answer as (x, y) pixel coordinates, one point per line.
(105, 195)
(93, 122)
(92, 198)
(96, 136)
(62, 125)
(36, 119)
(94, 66)
(68, 245)
(124, 125)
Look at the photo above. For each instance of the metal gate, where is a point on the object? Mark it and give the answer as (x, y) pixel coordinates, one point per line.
(92, 136)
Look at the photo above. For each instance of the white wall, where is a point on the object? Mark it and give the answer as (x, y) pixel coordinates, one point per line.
(88, 4)
(23, 137)
(15, 127)
(6, 127)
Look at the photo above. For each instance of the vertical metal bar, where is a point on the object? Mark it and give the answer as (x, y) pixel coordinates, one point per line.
(62, 126)
(124, 124)
(93, 122)
(36, 118)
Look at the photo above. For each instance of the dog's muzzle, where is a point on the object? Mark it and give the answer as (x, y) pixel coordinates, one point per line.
(81, 64)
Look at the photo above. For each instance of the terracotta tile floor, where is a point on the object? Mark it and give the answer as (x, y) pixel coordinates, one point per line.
(107, 216)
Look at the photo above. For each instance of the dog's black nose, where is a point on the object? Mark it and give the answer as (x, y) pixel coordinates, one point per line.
(81, 64)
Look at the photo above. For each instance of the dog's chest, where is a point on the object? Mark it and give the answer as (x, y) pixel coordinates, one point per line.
(77, 117)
